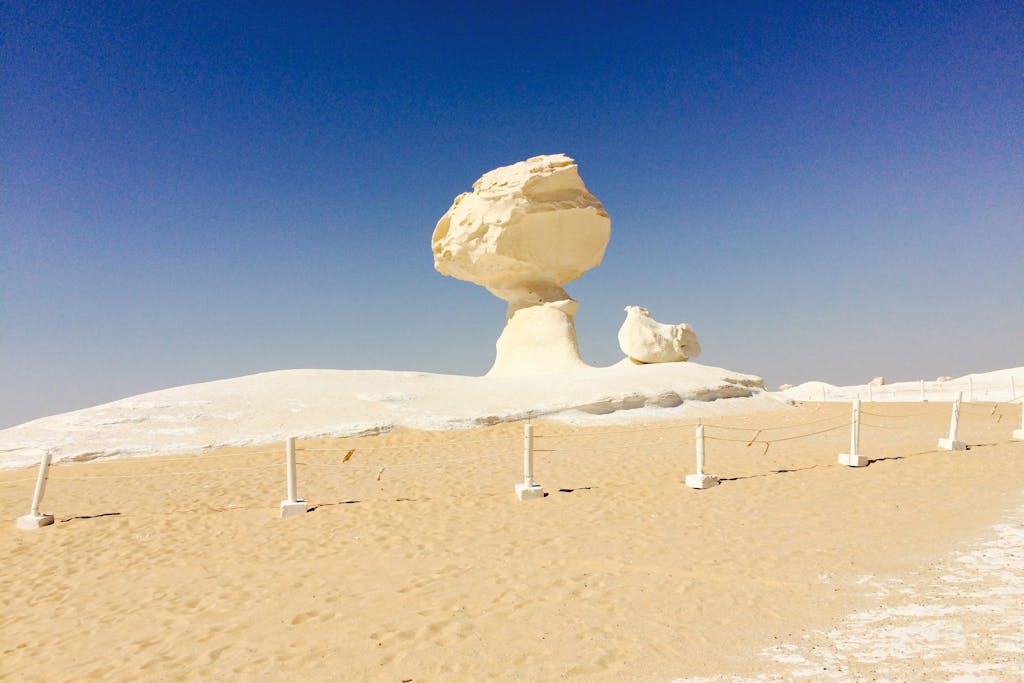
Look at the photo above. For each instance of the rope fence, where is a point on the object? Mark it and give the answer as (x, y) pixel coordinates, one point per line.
(158, 475)
(347, 462)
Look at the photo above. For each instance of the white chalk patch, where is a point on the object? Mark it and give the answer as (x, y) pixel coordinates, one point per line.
(964, 624)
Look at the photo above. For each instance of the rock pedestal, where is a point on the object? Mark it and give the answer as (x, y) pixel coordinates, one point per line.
(538, 339)
(523, 232)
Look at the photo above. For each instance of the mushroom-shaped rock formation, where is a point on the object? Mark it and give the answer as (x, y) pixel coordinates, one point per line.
(523, 232)
(645, 340)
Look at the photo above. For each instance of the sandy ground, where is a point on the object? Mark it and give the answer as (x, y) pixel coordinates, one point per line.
(179, 568)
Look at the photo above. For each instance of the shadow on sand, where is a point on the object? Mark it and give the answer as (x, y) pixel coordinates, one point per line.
(102, 514)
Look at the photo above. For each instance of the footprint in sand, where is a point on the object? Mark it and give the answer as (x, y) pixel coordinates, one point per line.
(303, 617)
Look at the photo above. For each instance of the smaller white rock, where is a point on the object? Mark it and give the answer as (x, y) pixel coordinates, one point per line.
(877, 381)
(784, 387)
(944, 378)
(647, 341)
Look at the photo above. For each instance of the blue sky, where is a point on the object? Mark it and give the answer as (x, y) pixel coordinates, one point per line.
(824, 191)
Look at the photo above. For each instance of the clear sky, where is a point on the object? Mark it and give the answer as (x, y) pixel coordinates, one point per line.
(196, 191)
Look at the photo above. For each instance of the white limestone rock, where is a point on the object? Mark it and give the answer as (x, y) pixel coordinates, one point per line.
(538, 339)
(523, 232)
(645, 340)
(877, 381)
(785, 387)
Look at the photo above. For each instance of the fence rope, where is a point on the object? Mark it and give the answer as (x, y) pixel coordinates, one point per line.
(404, 465)
(150, 460)
(874, 426)
(617, 447)
(831, 418)
(302, 449)
(618, 431)
(688, 427)
(203, 456)
(895, 417)
(779, 439)
(17, 481)
(62, 477)
(977, 409)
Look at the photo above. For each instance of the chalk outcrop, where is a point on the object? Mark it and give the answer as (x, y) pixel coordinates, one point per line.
(645, 340)
(269, 407)
(523, 232)
(877, 381)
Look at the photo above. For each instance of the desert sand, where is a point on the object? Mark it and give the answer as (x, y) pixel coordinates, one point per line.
(418, 563)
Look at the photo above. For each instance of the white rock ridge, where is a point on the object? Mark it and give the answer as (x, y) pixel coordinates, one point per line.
(998, 386)
(645, 340)
(268, 407)
(523, 232)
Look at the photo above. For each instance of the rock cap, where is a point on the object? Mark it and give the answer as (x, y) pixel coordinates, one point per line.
(524, 230)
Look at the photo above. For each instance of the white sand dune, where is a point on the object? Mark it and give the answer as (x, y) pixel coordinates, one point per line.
(270, 406)
(987, 386)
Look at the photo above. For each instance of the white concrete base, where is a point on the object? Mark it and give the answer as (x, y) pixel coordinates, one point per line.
(290, 508)
(853, 460)
(701, 481)
(524, 492)
(34, 521)
(1018, 434)
(950, 445)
